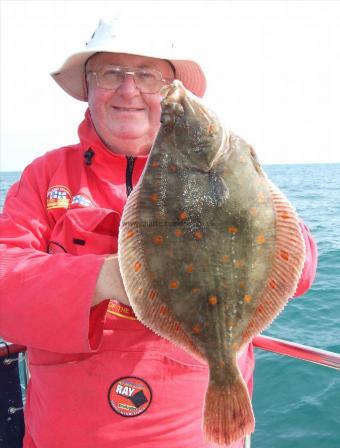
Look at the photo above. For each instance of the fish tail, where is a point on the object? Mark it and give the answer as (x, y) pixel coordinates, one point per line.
(228, 414)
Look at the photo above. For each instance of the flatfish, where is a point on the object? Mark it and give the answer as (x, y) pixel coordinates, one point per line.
(209, 250)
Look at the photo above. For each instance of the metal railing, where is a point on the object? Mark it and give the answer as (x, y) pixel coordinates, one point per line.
(7, 349)
(274, 345)
(298, 351)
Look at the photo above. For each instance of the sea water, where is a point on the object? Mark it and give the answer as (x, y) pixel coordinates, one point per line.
(297, 403)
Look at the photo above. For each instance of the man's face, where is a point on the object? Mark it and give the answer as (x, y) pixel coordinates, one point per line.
(125, 119)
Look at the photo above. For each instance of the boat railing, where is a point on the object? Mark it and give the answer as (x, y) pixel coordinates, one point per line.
(274, 345)
(298, 351)
(7, 349)
(11, 353)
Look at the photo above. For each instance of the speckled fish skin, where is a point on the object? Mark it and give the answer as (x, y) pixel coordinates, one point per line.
(206, 242)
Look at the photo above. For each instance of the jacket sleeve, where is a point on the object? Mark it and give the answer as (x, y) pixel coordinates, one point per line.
(310, 265)
(45, 299)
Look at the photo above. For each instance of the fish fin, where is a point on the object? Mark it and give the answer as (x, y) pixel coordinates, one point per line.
(286, 269)
(228, 414)
(144, 297)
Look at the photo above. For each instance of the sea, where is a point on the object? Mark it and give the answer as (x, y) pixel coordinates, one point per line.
(297, 403)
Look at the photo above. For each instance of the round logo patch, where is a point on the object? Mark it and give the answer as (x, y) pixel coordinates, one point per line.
(129, 396)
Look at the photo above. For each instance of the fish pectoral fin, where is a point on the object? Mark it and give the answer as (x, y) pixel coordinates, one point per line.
(219, 191)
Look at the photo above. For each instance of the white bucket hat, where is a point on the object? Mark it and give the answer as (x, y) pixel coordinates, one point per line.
(113, 37)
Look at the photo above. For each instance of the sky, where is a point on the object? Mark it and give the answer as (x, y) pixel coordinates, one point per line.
(273, 70)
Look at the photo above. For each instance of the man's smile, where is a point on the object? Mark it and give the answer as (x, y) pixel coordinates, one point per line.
(128, 109)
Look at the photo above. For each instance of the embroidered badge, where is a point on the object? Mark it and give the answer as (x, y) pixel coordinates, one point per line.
(58, 196)
(129, 396)
(80, 200)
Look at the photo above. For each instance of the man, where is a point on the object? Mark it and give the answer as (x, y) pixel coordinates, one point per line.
(99, 378)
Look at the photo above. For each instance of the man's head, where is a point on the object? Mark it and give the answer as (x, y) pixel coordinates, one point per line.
(125, 106)
(126, 112)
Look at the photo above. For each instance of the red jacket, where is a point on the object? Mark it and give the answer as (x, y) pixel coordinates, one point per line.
(98, 380)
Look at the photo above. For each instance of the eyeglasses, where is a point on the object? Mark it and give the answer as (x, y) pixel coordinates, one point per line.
(147, 80)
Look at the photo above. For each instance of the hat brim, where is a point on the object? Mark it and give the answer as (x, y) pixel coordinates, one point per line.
(70, 76)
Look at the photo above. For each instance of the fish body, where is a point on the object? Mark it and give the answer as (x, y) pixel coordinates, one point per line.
(210, 251)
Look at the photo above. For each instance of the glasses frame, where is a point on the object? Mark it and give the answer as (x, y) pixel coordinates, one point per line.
(131, 71)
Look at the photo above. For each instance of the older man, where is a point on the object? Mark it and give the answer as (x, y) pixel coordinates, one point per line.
(99, 378)
(125, 111)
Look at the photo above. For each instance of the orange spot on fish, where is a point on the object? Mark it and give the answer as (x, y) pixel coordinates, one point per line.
(273, 284)
(213, 299)
(253, 211)
(196, 329)
(198, 235)
(130, 234)
(260, 308)
(239, 263)
(242, 285)
(137, 266)
(158, 239)
(195, 290)
(284, 255)
(183, 216)
(163, 310)
(178, 232)
(189, 269)
(225, 258)
(174, 284)
(232, 230)
(177, 327)
(173, 168)
(260, 239)
(247, 298)
(153, 197)
(152, 294)
(155, 164)
(284, 215)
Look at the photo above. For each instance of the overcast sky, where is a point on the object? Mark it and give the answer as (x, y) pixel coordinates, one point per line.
(273, 70)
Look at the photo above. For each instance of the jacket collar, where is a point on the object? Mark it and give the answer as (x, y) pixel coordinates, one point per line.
(89, 139)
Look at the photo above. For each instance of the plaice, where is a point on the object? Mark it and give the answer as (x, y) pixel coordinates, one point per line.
(209, 250)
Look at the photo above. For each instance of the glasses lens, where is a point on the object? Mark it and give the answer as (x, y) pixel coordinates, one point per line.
(147, 80)
(111, 77)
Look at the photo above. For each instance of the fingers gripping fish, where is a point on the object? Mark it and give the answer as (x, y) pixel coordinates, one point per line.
(210, 251)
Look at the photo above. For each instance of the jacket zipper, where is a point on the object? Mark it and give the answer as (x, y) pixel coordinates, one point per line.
(129, 171)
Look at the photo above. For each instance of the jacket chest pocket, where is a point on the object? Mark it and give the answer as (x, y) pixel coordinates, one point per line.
(86, 231)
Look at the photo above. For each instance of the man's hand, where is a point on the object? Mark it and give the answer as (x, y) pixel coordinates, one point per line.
(110, 284)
